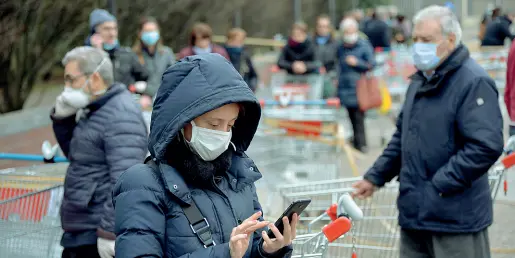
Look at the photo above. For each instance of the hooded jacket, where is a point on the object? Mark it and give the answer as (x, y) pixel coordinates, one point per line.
(150, 221)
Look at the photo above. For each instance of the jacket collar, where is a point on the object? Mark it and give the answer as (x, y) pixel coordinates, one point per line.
(241, 173)
(453, 62)
(112, 91)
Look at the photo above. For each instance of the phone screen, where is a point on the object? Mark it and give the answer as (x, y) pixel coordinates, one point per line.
(296, 207)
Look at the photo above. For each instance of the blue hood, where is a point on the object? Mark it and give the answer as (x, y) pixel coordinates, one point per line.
(196, 85)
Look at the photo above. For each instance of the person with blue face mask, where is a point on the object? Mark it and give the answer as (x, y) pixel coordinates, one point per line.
(104, 35)
(200, 43)
(448, 135)
(153, 55)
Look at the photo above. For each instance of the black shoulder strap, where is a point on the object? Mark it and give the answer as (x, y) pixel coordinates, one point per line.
(198, 223)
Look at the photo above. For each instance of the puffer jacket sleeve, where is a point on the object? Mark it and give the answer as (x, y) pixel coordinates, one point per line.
(63, 130)
(139, 213)
(284, 62)
(257, 246)
(125, 145)
(388, 165)
(367, 61)
(138, 71)
(480, 123)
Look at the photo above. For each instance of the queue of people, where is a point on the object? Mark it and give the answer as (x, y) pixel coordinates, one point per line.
(195, 195)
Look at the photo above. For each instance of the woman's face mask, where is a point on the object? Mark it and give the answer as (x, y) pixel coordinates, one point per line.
(150, 38)
(207, 143)
(350, 38)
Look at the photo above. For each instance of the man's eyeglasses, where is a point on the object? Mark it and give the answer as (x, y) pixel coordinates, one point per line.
(70, 80)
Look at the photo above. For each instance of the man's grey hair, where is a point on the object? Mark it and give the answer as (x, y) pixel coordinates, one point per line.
(89, 60)
(349, 23)
(448, 21)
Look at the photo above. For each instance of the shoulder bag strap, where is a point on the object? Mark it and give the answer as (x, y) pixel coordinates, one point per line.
(198, 223)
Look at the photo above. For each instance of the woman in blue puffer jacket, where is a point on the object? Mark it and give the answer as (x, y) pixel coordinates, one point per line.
(196, 197)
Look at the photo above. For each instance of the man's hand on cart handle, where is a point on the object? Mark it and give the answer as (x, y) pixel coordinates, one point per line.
(363, 189)
(347, 207)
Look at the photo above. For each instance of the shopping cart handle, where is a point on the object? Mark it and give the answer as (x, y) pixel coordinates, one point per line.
(337, 228)
(509, 160)
(333, 102)
(332, 212)
(31, 157)
(348, 208)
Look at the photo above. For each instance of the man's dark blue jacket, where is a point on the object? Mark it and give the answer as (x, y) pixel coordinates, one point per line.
(449, 134)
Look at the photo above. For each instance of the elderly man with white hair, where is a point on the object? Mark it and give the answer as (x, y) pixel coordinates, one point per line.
(449, 133)
(101, 130)
(355, 57)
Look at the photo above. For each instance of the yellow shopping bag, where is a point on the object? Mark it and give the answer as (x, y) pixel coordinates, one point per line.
(386, 104)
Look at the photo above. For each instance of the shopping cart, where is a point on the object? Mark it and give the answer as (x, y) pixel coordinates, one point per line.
(29, 211)
(297, 87)
(316, 245)
(377, 234)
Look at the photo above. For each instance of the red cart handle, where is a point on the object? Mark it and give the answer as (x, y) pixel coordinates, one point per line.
(337, 228)
(332, 212)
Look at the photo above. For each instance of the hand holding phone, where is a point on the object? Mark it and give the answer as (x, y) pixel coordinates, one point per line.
(283, 231)
(297, 207)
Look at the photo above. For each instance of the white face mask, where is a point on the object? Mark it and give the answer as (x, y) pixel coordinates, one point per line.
(350, 39)
(207, 143)
(77, 98)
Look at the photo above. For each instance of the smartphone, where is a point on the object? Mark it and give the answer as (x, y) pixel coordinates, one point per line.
(296, 207)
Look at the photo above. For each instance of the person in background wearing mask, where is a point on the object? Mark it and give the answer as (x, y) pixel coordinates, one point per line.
(449, 133)
(196, 196)
(153, 55)
(104, 35)
(355, 57)
(298, 55)
(498, 30)
(325, 45)
(240, 57)
(200, 43)
(101, 131)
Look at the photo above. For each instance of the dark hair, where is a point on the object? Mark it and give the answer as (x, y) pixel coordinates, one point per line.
(400, 17)
(496, 12)
(200, 29)
(147, 19)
